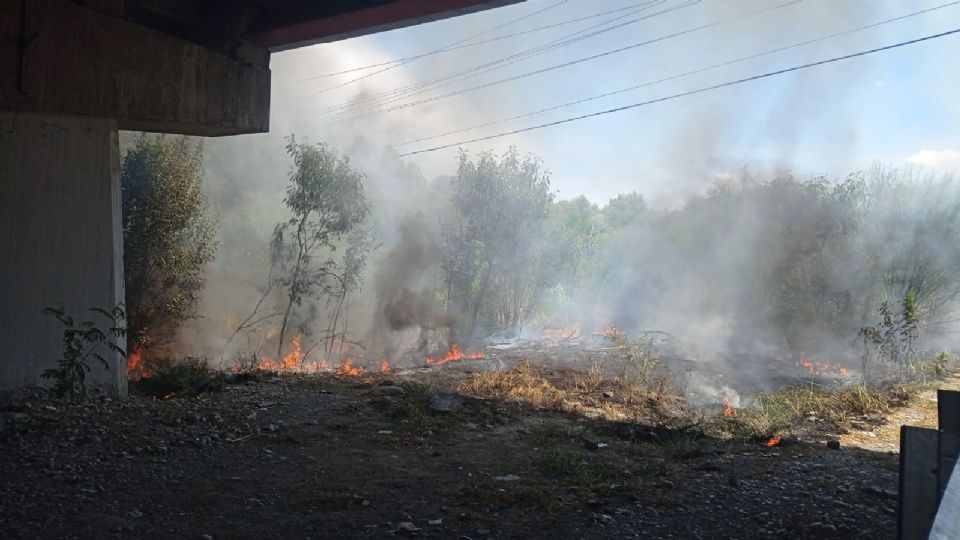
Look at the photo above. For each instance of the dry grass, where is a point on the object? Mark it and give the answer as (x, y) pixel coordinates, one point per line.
(523, 383)
(589, 394)
(783, 411)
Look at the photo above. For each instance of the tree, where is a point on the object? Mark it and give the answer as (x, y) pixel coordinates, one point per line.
(624, 209)
(327, 203)
(168, 235)
(491, 239)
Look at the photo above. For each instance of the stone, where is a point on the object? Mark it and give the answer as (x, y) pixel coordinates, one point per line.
(445, 402)
(406, 527)
(593, 444)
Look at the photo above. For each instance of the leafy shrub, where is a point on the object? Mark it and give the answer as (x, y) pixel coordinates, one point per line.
(82, 341)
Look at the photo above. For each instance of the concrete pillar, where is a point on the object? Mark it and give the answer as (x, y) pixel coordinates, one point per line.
(60, 239)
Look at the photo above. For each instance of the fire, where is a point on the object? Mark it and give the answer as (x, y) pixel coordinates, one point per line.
(453, 355)
(348, 369)
(384, 366)
(560, 334)
(773, 441)
(607, 331)
(728, 409)
(136, 369)
(290, 362)
(821, 368)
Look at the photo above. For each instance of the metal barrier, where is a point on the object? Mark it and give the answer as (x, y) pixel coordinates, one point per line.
(929, 490)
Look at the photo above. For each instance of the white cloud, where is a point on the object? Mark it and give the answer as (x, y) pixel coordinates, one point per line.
(947, 158)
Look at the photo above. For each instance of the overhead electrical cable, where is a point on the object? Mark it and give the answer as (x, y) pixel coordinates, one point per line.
(393, 96)
(455, 43)
(473, 44)
(575, 37)
(686, 74)
(577, 61)
(689, 92)
(526, 53)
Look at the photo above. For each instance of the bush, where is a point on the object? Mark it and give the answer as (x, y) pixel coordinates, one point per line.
(82, 341)
(168, 236)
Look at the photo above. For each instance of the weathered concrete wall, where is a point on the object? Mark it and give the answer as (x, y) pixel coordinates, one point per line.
(60, 238)
(60, 58)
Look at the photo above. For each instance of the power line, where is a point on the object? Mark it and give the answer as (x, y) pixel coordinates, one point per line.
(475, 43)
(362, 77)
(689, 92)
(580, 35)
(533, 51)
(579, 60)
(686, 74)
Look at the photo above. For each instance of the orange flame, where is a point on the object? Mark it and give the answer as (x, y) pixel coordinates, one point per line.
(821, 368)
(384, 366)
(773, 441)
(290, 362)
(347, 368)
(136, 369)
(607, 331)
(453, 355)
(560, 334)
(728, 409)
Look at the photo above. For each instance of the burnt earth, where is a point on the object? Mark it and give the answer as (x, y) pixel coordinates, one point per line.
(323, 457)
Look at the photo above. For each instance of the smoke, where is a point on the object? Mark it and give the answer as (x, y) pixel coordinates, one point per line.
(405, 290)
(718, 263)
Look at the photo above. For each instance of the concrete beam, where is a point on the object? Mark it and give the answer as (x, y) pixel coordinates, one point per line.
(60, 58)
(304, 29)
(61, 240)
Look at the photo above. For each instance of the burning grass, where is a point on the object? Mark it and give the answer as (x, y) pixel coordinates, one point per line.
(170, 377)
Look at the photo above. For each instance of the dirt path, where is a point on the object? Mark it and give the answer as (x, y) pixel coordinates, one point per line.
(324, 457)
(922, 412)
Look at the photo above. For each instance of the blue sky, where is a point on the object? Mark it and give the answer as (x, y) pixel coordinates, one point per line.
(896, 107)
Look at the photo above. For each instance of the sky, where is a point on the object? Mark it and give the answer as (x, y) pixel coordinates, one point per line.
(897, 107)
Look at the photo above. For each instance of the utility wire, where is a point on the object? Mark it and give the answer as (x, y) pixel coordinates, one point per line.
(690, 92)
(393, 96)
(466, 45)
(577, 61)
(686, 74)
(580, 35)
(368, 75)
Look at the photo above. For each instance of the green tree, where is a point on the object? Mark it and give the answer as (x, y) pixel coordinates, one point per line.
(493, 262)
(168, 235)
(624, 209)
(328, 205)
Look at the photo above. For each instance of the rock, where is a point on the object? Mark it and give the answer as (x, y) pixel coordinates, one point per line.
(392, 390)
(435, 522)
(880, 492)
(607, 394)
(507, 478)
(204, 537)
(445, 402)
(833, 444)
(593, 444)
(483, 532)
(821, 529)
(272, 427)
(406, 527)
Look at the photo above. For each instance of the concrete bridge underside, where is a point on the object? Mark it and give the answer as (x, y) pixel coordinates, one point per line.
(72, 73)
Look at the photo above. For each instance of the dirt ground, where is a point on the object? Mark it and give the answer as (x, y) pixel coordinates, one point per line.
(328, 457)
